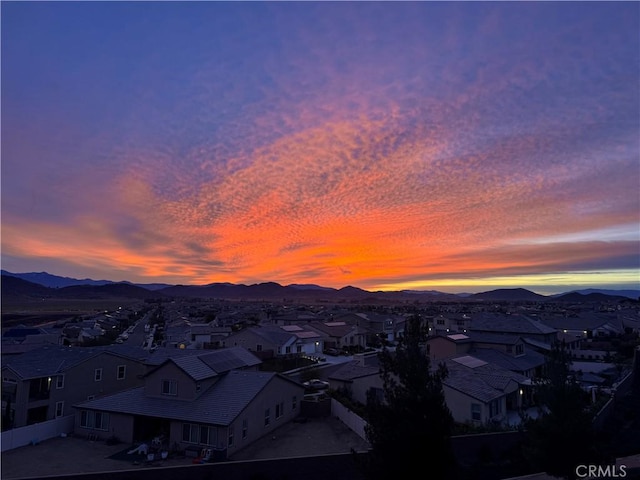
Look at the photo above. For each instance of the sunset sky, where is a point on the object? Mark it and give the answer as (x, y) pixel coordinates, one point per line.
(452, 146)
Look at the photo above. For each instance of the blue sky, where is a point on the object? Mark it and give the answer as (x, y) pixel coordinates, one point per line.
(448, 145)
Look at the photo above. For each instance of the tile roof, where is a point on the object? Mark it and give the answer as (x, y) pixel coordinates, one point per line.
(274, 334)
(531, 359)
(515, 324)
(491, 337)
(194, 367)
(354, 369)
(55, 359)
(219, 405)
(230, 358)
(201, 364)
(583, 321)
(333, 329)
(483, 382)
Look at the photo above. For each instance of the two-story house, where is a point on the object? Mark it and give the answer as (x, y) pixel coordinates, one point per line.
(215, 401)
(449, 324)
(43, 384)
(378, 326)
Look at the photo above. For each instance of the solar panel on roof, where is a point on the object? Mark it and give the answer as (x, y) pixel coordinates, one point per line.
(307, 334)
(458, 336)
(335, 324)
(469, 361)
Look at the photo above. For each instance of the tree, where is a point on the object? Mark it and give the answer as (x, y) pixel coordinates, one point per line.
(563, 437)
(410, 426)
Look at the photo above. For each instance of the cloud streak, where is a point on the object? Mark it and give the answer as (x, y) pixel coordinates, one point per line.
(335, 144)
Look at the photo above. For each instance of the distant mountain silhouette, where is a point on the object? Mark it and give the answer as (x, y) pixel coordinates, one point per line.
(14, 288)
(55, 281)
(42, 284)
(508, 294)
(634, 294)
(18, 287)
(590, 297)
(309, 287)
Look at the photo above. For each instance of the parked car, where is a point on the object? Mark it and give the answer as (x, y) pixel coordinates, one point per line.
(316, 384)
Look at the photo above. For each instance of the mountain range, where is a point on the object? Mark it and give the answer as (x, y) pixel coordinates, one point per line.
(42, 284)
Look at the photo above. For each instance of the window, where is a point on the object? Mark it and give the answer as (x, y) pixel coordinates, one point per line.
(245, 428)
(199, 434)
(190, 433)
(476, 411)
(294, 403)
(122, 371)
(519, 349)
(95, 420)
(90, 397)
(279, 409)
(267, 417)
(169, 387)
(97, 374)
(59, 409)
(60, 381)
(440, 321)
(258, 347)
(230, 439)
(287, 349)
(299, 348)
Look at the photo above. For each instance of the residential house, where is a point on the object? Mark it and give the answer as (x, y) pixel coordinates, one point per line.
(340, 334)
(480, 392)
(357, 377)
(586, 325)
(207, 335)
(22, 339)
(513, 324)
(378, 326)
(43, 384)
(507, 351)
(196, 402)
(451, 323)
(272, 340)
(444, 346)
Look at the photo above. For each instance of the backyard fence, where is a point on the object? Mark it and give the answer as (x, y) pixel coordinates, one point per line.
(350, 419)
(31, 434)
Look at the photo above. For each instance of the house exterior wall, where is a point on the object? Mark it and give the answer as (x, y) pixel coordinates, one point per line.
(278, 394)
(119, 425)
(78, 384)
(186, 386)
(460, 406)
(310, 348)
(18, 390)
(250, 340)
(440, 347)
